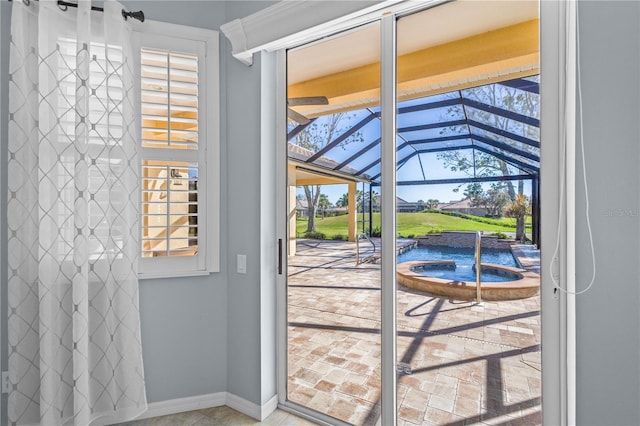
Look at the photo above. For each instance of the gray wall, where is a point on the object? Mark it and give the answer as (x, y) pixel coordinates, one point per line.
(243, 184)
(608, 375)
(214, 341)
(211, 341)
(184, 320)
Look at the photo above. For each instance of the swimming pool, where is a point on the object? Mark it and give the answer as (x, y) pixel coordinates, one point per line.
(463, 257)
(449, 272)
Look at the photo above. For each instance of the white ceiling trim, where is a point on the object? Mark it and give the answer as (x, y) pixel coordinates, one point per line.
(291, 23)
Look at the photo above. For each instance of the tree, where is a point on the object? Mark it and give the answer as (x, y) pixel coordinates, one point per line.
(519, 208)
(420, 205)
(343, 201)
(315, 137)
(323, 204)
(475, 194)
(494, 199)
(481, 164)
(363, 200)
(432, 204)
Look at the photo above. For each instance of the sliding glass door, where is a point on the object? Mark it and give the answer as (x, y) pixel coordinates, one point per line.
(411, 256)
(333, 296)
(468, 160)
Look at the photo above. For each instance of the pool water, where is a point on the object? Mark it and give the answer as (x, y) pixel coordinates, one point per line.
(462, 256)
(465, 273)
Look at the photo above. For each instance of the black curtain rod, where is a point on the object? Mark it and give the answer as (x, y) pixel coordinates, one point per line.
(64, 5)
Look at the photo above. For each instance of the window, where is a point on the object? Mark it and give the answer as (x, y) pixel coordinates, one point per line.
(59, 156)
(179, 145)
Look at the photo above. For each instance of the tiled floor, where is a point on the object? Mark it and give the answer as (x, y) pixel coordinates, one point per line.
(469, 364)
(220, 416)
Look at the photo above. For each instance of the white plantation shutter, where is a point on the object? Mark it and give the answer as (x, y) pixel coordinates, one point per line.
(169, 107)
(178, 204)
(169, 99)
(170, 209)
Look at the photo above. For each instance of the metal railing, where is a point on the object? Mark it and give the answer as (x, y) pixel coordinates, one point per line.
(478, 267)
(358, 238)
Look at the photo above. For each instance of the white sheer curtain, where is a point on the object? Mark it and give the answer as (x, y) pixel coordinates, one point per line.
(74, 329)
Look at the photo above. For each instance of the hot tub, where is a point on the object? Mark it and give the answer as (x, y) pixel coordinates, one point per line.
(441, 277)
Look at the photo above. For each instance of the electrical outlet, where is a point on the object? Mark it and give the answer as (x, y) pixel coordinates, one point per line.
(5, 382)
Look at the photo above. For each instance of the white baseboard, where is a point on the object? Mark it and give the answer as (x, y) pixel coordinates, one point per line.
(181, 405)
(258, 412)
(199, 402)
(269, 407)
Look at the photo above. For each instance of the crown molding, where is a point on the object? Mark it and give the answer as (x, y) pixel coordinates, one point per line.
(291, 23)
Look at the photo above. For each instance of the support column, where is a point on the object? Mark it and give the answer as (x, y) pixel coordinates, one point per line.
(292, 210)
(352, 215)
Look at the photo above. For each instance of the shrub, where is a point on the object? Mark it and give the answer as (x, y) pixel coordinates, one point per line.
(434, 231)
(376, 232)
(339, 237)
(410, 236)
(315, 235)
(486, 219)
(501, 235)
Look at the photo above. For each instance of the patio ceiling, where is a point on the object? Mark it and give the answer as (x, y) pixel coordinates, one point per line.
(450, 47)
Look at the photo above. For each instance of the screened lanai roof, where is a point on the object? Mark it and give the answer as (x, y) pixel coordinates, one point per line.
(452, 137)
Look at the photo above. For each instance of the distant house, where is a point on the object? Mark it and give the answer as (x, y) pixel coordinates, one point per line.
(463, 206)
(403, 206)
(302, 208)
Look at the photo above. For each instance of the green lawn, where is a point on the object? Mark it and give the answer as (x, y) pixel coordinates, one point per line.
(414, 224)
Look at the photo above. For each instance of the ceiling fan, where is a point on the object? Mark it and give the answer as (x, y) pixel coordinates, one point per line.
(304, 101)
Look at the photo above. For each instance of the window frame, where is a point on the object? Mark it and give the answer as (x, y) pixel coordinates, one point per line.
(205, 44)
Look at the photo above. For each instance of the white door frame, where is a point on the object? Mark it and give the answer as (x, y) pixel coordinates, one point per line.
(388, 102)
(558, 376)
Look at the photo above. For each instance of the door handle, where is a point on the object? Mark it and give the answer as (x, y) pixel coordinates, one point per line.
(279, 256)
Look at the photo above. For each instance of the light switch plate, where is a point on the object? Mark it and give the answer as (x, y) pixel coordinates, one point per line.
(242, 263)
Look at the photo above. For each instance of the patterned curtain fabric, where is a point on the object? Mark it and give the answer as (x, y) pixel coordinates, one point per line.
(73, 210)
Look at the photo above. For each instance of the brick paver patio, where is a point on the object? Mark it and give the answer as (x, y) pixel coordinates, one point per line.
(469, 364)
